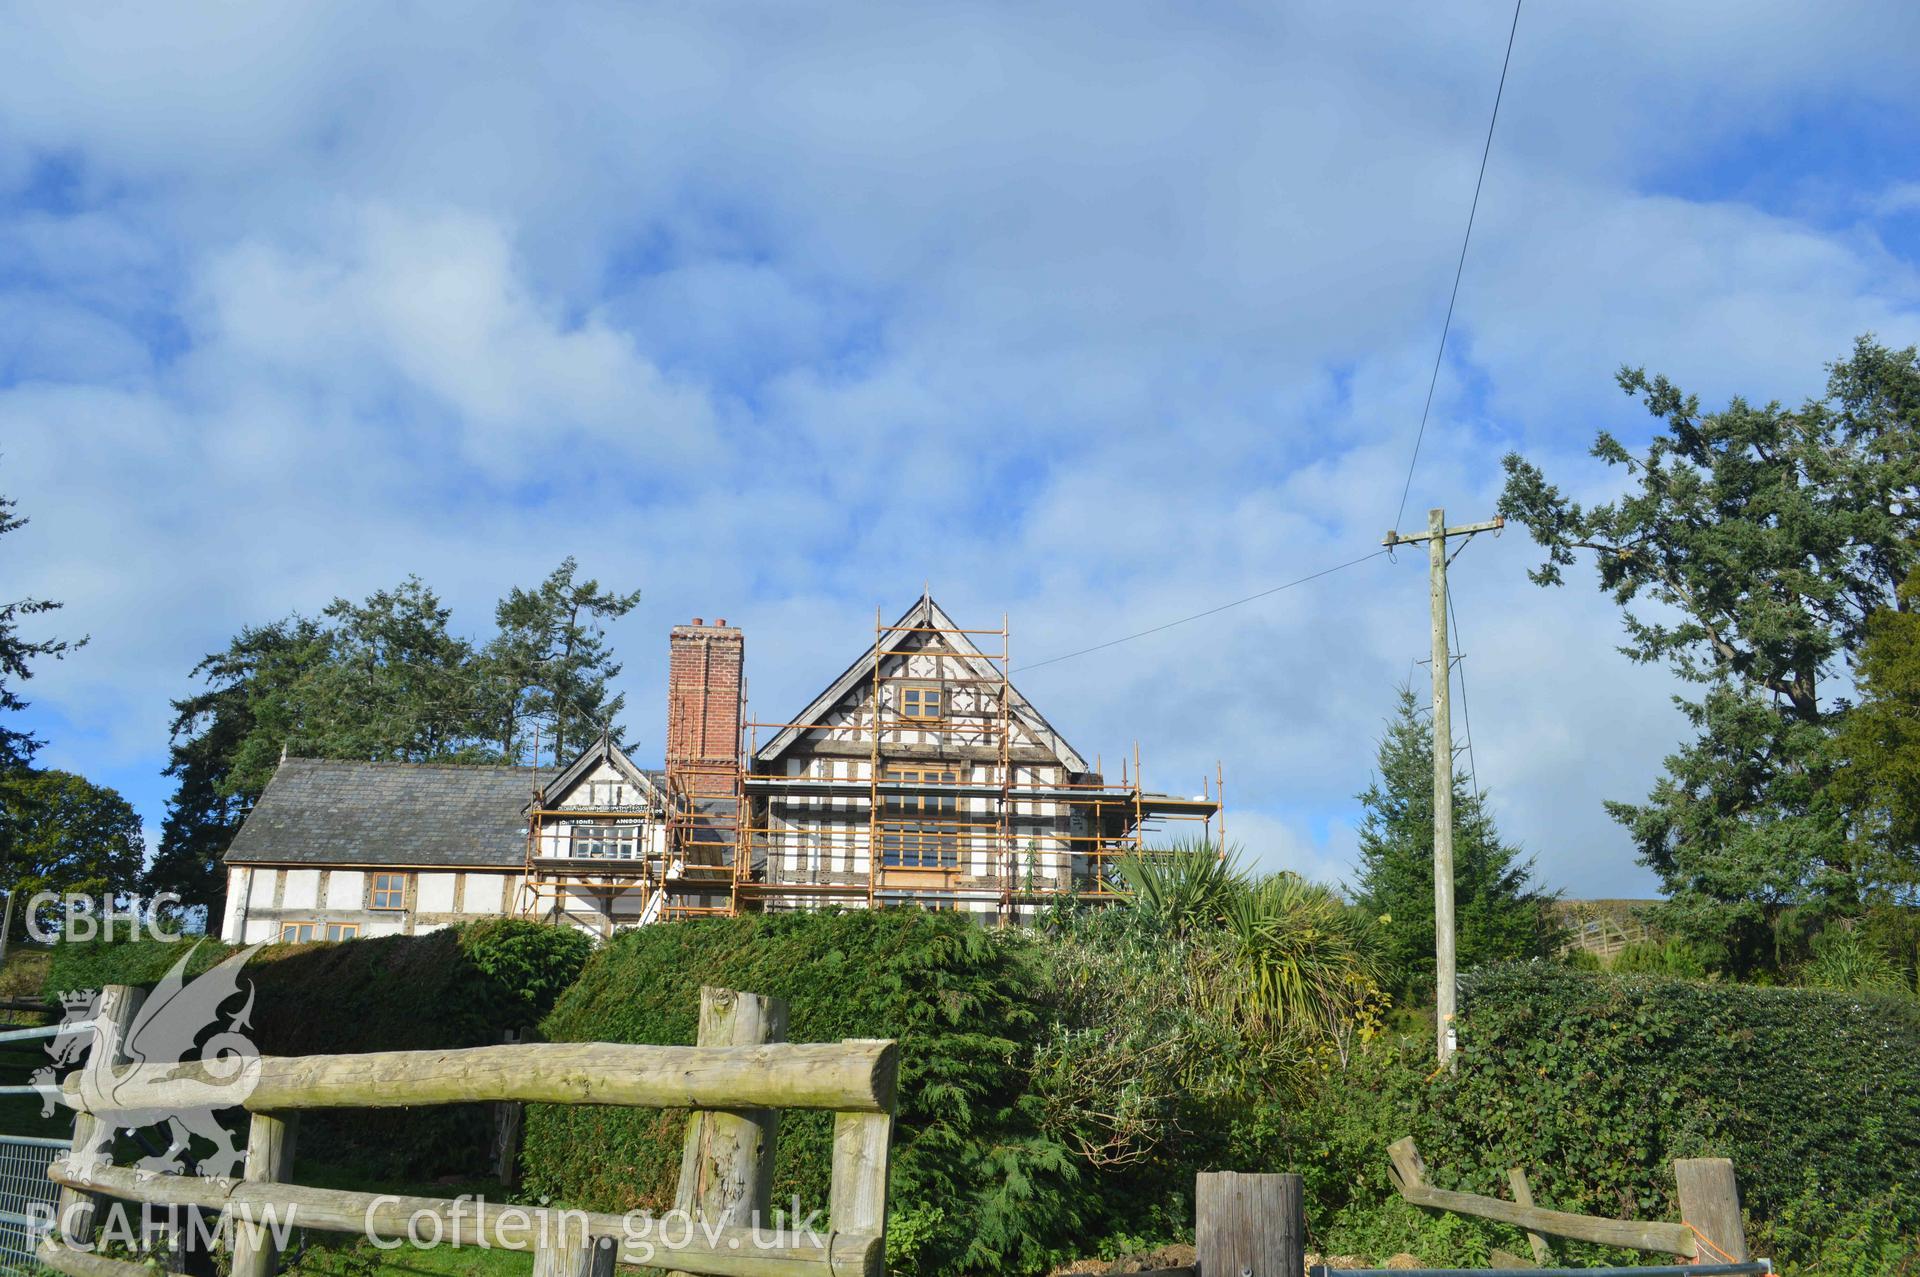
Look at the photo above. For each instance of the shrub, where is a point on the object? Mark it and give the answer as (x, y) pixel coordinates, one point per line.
(450, 988)
(1843, 959)
(1678, 958)
(956, 996)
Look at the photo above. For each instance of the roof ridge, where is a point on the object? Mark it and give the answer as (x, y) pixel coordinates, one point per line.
(442, 765)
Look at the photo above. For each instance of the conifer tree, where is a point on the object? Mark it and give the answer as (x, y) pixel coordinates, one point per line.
(1498, 914)
(1766, 539)
(554, 663)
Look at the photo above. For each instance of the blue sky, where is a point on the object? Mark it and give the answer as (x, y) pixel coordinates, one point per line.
(778, 311)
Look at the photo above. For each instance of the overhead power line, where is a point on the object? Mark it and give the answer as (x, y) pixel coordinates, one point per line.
(1212, 611)
(1459, 268)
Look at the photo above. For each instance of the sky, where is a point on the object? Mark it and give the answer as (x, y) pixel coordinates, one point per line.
(1096, 317)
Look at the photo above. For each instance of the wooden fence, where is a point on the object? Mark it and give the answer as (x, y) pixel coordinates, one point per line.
(1710, 1226)
(736, 1081)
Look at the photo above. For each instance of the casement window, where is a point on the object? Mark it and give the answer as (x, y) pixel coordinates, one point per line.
(387, 891)
(922, 831)
(605, 841)
(308, 932)
(921, 700)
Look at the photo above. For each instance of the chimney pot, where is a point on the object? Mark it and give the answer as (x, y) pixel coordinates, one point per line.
(698, 621)
(721, 621)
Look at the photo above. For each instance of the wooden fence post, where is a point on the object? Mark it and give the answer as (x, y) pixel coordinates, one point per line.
(114, 1015)
(571, 1256)
(1710, 1203)
(1523, 1196)
(862, 1147)
(270, 1141)
(508, 1121)
(1249, 1225)
(726, 1162)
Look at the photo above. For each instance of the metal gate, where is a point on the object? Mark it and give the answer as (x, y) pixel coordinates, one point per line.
(28, 1199)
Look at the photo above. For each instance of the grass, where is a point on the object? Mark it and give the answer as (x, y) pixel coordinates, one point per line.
(25, 972)
(338, 1255)
(317, 1254)
(21, 979)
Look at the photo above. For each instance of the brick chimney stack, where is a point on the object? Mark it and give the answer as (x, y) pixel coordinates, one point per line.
(704, 667)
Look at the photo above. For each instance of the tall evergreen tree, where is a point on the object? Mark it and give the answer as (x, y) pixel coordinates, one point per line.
(385, 679)
(1879, 744)
(396, 685)
(226, 741)
(1766, 538)
(1497, 913)
(17, 655)
(554, 663)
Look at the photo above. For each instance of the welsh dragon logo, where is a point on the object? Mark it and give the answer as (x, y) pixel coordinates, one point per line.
(129, 1077)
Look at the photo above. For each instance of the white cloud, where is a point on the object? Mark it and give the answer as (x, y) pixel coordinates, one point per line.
(779, 313)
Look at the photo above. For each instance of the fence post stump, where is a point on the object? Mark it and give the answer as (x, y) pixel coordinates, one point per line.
(270, 1140)
(74, 1220)
(1710, 1202)
(1249, 1225)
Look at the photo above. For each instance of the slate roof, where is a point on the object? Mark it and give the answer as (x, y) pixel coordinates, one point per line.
(323, 812)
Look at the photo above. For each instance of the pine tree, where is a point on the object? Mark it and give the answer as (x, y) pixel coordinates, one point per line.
(554, 662)
(1497, 914)
(226, 742)
(397, 685)
(1879, 745)
(17, 655)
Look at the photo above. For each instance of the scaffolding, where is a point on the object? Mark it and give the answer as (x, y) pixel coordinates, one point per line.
(703, 866)
(598, 865)
(934, 789)
(943, 802)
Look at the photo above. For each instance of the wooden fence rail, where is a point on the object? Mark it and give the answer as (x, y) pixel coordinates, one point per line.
(732, 1088)
(1709, 1209)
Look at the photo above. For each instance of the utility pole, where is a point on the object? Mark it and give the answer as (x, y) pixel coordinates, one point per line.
(1443, 937)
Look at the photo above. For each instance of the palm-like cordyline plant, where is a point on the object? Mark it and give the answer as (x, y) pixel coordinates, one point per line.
(1305, 961)
(1291, 956)
(1183, 887)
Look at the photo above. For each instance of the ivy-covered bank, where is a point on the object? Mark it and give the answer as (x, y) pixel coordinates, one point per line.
(1593, 1082)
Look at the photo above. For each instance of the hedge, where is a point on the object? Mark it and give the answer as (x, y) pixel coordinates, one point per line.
(1595, 1083)
(973, 1186)
(449, 988)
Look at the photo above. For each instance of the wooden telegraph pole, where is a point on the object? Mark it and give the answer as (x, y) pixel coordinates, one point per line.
(1443, 939)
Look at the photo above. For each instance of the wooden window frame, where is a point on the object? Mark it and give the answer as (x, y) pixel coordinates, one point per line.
(919, 831)
(613, 834)
(398, 891)
(920, 692)
(310, 927)
(343, 930)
